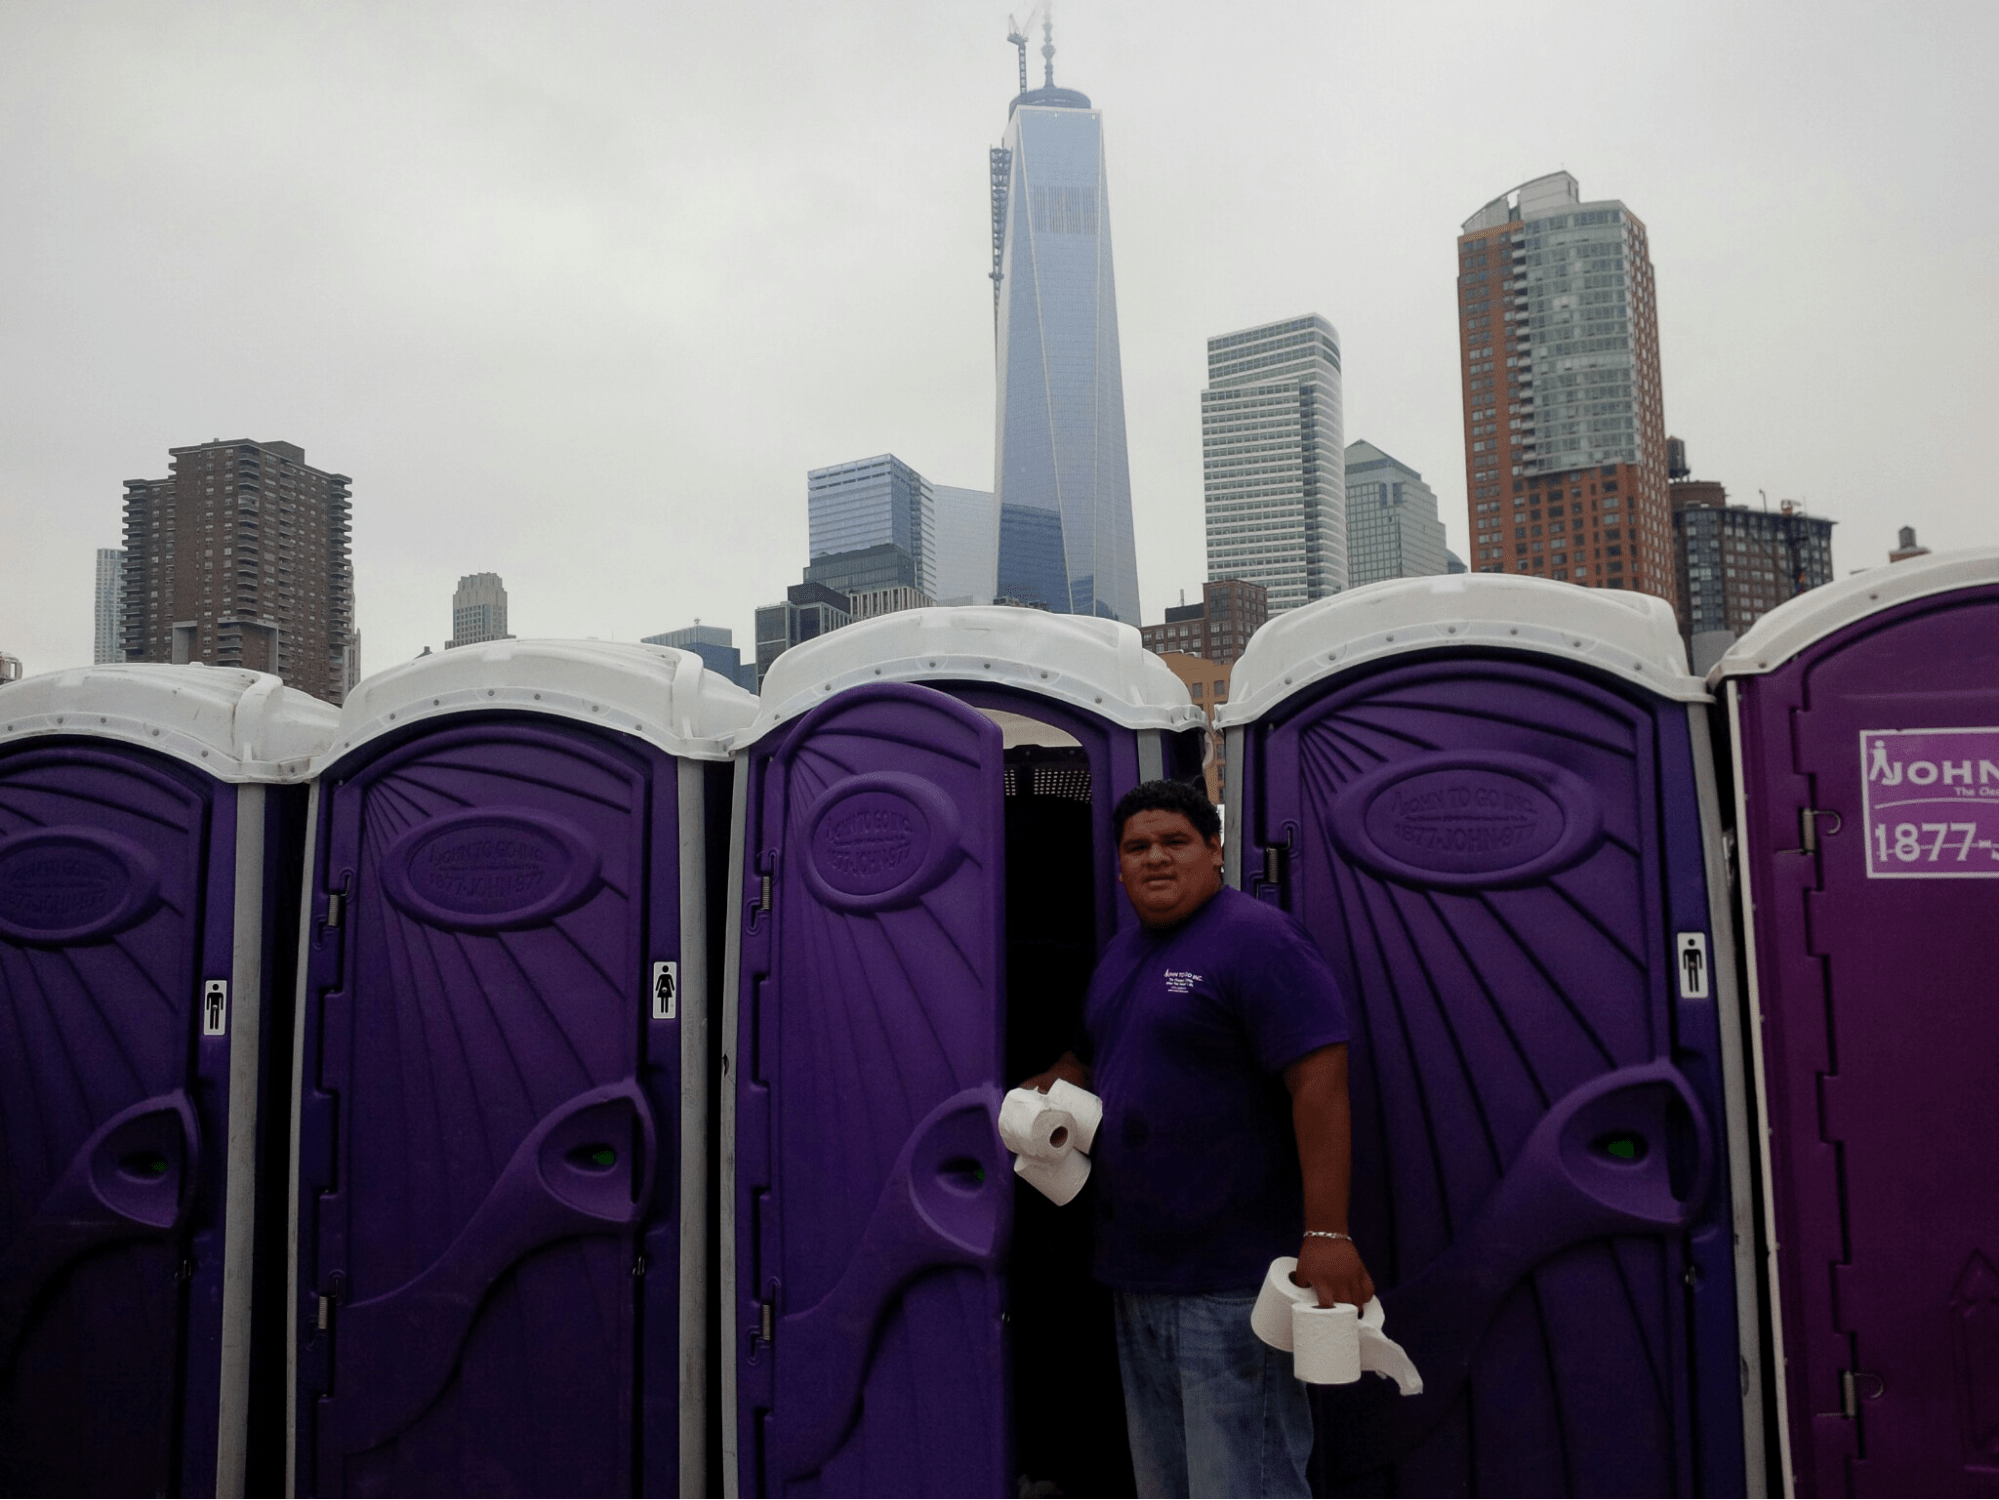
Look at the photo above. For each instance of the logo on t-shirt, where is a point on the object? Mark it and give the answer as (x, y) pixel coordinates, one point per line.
(1180, 982)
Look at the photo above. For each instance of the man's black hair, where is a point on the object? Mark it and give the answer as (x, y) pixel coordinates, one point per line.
(1189, 801)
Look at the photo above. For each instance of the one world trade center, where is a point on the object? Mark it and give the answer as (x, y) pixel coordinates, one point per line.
(1062, 479)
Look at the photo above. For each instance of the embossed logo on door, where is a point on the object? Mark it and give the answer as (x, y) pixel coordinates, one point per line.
(1457, 819)
(490, 870)
(880, 840)
(66, 885)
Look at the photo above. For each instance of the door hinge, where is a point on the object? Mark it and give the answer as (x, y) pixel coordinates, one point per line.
(767, 1324)
(1808, 828)
(1851, 1395)
(763, 893)
(1273, 863)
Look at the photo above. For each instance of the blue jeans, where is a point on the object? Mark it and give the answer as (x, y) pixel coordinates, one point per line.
(1211, 1408)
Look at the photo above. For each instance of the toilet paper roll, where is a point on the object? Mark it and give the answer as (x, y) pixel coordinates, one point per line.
(1030, 1125)
(1058, 1180)
(1325, 1343)
(1085, 1107)
(1382, 1355)
(1271, 1317)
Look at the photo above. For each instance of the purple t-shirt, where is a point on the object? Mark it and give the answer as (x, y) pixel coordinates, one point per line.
(1188, 1030)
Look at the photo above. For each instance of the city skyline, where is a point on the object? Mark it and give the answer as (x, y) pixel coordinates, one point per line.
(521, 255)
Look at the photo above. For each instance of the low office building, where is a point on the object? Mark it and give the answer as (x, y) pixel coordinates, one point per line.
(877, 580)
(716, 646)
(1736, 564)
(1230, 612)
(1906, 546)
(807, 611)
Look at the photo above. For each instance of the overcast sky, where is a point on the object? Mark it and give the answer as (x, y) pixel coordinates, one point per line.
(578, 292)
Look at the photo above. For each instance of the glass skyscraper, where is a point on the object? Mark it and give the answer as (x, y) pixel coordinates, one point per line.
(1392, 526)
(1273, 460)
(1061, 474)
(110, 645)
(870, 502)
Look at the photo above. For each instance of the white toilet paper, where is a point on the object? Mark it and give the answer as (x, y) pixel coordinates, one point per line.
(1058, 1180)
(1031, 1126)
(1278, 1306)
(1083, 1106)
(1325, 1343)
(1381, 1354)
(1271, 1317)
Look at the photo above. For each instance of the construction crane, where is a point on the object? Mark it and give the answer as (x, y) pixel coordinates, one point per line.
(1017, 34)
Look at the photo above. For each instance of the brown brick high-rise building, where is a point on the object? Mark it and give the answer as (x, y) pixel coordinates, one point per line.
(1565, 433)
(239, 558)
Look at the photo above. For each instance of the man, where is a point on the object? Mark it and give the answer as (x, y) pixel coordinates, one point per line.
(1216, 1036)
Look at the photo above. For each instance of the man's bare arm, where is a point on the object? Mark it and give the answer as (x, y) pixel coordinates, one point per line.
(1318, 1084)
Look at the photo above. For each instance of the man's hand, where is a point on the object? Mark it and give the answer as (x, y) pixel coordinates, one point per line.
(1069, 1066)
(1332, 1268)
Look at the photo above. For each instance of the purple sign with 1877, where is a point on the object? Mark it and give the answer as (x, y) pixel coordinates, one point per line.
(1932, 802)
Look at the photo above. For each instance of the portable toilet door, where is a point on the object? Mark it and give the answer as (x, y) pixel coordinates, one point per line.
(502, 1190)
(1865, 718)
(1491, 800)
(924, 872)
(151, 833)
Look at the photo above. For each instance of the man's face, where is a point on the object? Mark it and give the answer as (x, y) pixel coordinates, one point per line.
(1167, 868)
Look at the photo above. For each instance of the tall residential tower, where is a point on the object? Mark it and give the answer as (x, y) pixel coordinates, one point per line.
(110, 643)
(1062, 479)
(1565, 437)
(1273, 460)
(239, 558)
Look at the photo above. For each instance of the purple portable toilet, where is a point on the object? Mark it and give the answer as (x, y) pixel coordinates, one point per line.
(1865, 719)
(503, 1199)
(923, 875)
(1492, 801)
(151, 841)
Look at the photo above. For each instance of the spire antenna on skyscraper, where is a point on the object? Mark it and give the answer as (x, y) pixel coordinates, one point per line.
(1047, 51)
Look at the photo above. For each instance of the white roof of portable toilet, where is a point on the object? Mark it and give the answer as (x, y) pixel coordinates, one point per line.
(1097, 665)
(1797, 623)
(1626, 634)
(237, 725)
(658, 693)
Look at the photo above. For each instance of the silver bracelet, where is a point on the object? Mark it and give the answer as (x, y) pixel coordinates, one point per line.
(1327, 1234)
